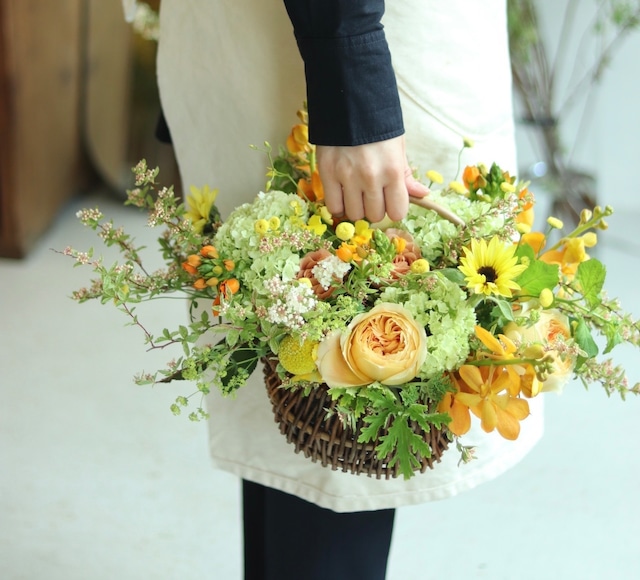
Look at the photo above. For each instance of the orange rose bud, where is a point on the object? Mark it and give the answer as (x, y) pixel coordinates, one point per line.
(189, 268)
(472, 177)
(200, 284)
(229, 265)
(194, 260)
(230, 286)
(209, 252)
(233, 285)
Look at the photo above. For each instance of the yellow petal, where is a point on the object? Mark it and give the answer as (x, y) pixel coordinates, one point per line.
(489, 417)
(508, 426)
(472, 377)
(334, 369)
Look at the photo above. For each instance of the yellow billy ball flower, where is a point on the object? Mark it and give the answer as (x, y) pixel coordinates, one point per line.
(420, 266)
(298, 358)
(261, 227)
(523, 228)
(555, 223)
(345, 231)
(458, 188)
(468, 142)
(546, 298)
(274, 222)
(434, 176)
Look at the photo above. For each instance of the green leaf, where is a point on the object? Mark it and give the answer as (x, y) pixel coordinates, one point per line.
(538, 276)
(402, 444)
(243, 358)
(590, 278)
(453, 275)
(525, 251)
(503, 310)
(613, 335)
(375, 423)
(582, 336)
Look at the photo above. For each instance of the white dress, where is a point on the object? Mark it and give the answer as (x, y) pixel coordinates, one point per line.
(230, 76)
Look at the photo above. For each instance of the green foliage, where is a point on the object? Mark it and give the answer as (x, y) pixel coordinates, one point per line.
(590, 279)
(401, 444)
(538, 276)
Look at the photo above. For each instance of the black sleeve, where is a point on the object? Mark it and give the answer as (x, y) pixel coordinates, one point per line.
(351, 87)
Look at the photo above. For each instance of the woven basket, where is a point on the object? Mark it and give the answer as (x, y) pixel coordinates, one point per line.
(303, 421)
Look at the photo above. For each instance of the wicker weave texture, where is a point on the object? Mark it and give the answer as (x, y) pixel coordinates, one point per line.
(308, 423)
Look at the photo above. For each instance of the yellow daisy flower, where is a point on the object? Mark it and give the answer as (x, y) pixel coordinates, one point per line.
(491, 268)
(199, 205)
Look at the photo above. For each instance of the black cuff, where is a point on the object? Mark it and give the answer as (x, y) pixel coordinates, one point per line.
(351, 90)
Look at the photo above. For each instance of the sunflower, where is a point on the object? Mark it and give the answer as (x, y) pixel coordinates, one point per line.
(491, 268)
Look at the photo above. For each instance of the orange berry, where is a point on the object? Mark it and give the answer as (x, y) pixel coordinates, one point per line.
(209, 252)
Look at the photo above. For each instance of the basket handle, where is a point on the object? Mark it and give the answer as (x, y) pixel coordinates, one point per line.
(447, 214)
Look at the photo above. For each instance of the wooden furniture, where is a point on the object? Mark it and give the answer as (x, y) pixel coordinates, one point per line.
(78, 106)
(41, 160)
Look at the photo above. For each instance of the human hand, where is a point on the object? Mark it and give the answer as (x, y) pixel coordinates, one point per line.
(367, 181)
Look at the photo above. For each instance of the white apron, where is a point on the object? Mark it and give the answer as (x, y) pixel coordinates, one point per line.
(230, 76)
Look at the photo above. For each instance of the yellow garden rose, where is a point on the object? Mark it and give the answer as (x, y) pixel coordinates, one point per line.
(552, 325)
(385, 345)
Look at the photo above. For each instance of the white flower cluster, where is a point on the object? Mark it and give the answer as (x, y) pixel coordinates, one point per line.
(330, 269)
(290, 302)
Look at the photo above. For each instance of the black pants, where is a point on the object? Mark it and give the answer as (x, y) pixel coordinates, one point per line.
(287, 538)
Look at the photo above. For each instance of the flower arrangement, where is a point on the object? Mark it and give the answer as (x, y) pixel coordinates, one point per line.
(449, 316)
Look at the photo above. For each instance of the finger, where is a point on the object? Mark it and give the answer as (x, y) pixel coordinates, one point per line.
(374, 205)
(416, 188)
(333, 198)
(396, 200)
(353, 203)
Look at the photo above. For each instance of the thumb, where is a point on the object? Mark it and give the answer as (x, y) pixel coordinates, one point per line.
(415, 188)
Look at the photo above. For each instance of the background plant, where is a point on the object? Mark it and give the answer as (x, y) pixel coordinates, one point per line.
(554, 79)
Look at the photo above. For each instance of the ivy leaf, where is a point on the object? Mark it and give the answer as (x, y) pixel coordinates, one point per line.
(590, 278)
(538, 276)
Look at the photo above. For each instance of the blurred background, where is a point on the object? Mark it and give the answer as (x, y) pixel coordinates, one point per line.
(97, 478)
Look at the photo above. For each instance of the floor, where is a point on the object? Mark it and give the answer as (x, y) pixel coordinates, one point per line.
(99, 481)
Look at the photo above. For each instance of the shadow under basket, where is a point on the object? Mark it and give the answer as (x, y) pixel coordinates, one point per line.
(304, 422)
